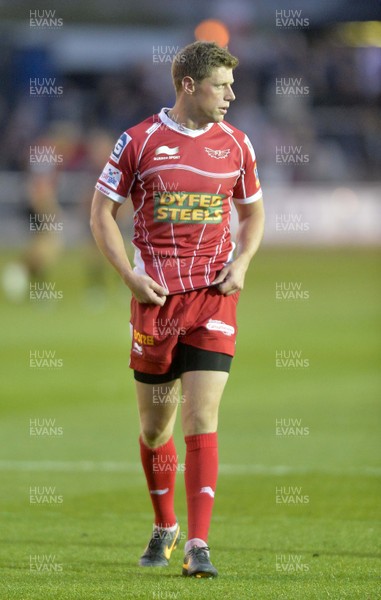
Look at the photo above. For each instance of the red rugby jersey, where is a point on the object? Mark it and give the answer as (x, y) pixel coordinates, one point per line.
(182, 183)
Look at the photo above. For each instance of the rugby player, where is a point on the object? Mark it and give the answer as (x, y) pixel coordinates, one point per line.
(182, 170)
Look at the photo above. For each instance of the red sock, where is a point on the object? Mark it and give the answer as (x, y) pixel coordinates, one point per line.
(201, 468)
(160, 466)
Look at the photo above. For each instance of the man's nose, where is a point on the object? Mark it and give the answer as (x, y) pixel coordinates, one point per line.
(229, 94)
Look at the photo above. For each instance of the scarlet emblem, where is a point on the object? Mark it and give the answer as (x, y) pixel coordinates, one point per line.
(218, 153)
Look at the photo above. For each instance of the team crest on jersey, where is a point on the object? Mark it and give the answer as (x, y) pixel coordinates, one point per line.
(120, 146)
(217, 153)
(111, 175)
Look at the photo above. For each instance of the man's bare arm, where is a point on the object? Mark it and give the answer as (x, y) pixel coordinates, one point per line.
(109, 240)
(250, 232)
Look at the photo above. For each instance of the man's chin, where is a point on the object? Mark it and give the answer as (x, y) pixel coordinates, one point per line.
(216, 118)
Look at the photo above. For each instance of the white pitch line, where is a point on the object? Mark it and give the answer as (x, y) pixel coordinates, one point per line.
(224, 469)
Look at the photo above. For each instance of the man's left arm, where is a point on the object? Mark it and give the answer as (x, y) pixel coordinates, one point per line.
(251, 219)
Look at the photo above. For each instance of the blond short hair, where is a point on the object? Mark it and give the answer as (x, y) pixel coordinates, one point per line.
(197, 60)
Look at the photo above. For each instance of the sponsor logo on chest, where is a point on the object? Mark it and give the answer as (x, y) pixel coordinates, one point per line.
(166, 153)
(184, 207)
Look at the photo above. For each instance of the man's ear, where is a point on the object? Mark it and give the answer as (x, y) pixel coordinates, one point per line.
(188, 85)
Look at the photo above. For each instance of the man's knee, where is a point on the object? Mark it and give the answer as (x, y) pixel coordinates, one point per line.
(200, 421)
(155, 435)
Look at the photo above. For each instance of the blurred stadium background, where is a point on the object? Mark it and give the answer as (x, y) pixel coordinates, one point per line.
(74, 75)
(318, 145)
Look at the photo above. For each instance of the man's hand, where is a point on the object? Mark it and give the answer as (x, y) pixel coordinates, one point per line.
(109, 239)
(146, 290)
(232, 277)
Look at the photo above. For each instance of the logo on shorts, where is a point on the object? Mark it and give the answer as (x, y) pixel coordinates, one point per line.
(214, 325)
(136, 348)
(141, 339)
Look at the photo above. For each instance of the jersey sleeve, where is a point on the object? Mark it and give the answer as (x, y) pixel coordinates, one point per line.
(118, 174)
(248, 188)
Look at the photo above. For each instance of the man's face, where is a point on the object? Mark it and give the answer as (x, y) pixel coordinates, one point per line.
(212, 95)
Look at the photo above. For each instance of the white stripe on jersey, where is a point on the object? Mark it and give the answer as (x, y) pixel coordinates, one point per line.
(174, 242)
(152, 130)
(142, 202)
(109, 193)
(194, 255)
(138, 261)
(243, 183)
(176, 256)
(140, 220)
(218, 249)
(207, 270)
(250, 199)
(207, 266)
(155, 263)
(228, 132)
(256, 196)
(193, 170)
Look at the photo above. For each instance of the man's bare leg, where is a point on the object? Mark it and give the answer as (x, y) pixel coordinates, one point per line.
(202, 392)
(157, 404)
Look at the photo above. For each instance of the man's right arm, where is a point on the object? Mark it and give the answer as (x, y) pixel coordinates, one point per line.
(109, 240)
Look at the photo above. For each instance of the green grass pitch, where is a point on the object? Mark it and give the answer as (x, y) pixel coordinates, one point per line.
(85, 544)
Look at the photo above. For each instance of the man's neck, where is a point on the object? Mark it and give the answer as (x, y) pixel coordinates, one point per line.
(185, 119)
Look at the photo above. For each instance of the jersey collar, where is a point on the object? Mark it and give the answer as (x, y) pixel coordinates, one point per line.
(163, 116)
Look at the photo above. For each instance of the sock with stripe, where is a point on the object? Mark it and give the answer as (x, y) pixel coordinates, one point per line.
(201, 469)
(160, 466)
